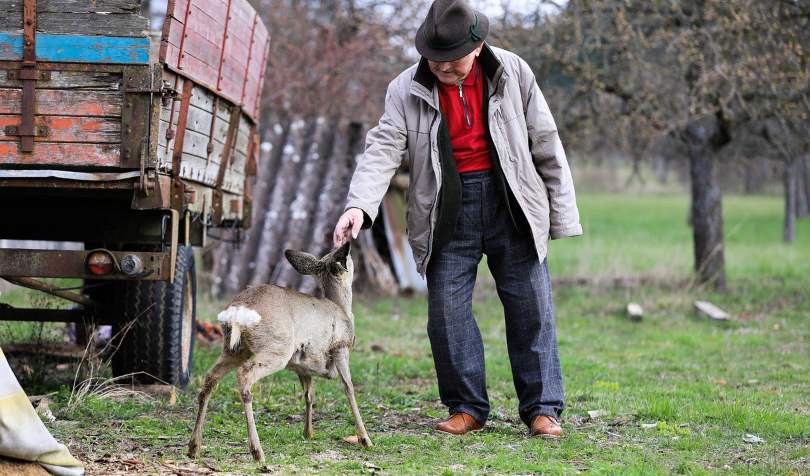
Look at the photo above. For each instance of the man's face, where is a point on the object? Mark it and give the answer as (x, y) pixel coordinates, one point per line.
(451, 72)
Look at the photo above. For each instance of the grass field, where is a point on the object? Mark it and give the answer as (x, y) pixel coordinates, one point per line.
(677, 393)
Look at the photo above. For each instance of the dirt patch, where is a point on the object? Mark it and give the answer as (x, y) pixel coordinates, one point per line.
(20, 468)
(406, 423)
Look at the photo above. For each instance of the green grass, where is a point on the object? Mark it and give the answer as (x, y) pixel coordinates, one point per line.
(678, 392)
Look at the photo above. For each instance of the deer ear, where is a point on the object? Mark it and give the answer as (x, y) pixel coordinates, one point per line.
(340, 254)
(304, 263)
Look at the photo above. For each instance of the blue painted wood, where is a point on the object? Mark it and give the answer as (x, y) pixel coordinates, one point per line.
(79, 48)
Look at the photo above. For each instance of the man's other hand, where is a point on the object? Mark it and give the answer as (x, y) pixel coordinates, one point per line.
(350, 221)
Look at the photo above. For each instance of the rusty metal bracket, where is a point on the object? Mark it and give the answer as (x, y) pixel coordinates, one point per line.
(14, 75)
(178, 187)
(182, 119)
(138, 86)
(165, 91)
(28, 74)
(250, 172)
(230, 144)
(39, 131)
(180, 55)
(159, 195)
(210, 147)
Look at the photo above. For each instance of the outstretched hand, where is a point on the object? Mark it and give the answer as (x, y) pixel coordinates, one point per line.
(350, 221)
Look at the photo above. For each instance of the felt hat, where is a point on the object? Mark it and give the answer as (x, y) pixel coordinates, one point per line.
(451, 30)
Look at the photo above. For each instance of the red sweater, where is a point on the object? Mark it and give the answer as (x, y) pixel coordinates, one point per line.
(468, 132)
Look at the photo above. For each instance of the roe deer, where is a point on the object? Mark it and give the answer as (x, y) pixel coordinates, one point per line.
(268, 328)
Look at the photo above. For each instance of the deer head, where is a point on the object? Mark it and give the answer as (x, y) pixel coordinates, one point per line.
(334, 272)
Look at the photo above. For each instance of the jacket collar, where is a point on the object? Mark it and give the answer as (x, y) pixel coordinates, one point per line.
(424, 80)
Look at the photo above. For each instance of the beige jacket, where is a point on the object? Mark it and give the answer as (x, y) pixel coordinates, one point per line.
(523, 133)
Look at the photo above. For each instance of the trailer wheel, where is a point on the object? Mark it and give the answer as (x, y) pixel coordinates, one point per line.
(157, 326)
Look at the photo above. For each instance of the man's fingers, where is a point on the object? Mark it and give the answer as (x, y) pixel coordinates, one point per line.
(356, 225)
(340, 232)
(349, 222)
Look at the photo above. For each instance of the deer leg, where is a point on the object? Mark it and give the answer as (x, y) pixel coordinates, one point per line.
(223, 365)
(306, 383)
(250, 373)
(342, 364)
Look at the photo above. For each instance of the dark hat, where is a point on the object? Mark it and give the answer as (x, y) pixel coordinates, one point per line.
(451, 29)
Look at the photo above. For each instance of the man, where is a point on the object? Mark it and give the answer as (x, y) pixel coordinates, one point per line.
(488, 175)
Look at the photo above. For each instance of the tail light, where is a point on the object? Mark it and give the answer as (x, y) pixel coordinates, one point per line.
(100, 262)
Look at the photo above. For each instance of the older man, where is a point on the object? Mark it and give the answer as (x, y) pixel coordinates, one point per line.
(488, 175)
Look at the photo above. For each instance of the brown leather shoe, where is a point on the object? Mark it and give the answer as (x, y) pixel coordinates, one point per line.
(545, 426)
(459, 424)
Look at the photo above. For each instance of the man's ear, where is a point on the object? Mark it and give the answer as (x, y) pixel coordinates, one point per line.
(304, 263)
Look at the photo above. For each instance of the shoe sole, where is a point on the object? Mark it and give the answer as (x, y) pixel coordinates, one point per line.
(458, 434)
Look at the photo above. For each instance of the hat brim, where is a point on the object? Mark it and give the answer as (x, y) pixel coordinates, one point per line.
(452, 54)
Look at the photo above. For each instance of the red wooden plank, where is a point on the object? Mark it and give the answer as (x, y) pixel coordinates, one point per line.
(70, 128)
(258, 55)
(222, 49)
(202, 49)
(257, 103)
(231, 80)
(260, 40)
(180, 7)
(242, 13)
(171, 55)
(64, 102)
(175, 32)
(249, 59)
(50, 153)
(249, 93)
(210, 28)
(237, 51)
(240, 28)
(216, 9)
(199, 71)
(232, 76)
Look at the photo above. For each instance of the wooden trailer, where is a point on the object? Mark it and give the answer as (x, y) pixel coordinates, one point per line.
(134, 143)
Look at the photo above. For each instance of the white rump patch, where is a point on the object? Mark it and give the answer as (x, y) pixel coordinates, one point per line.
(239, 315)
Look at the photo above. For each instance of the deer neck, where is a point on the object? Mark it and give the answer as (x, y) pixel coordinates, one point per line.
(340, 295)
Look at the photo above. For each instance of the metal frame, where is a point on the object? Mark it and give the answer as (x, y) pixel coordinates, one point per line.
(22, 263)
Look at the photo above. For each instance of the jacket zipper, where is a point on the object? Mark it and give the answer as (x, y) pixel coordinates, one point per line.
(467, 116)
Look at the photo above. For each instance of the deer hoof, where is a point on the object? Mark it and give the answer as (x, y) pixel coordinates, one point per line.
(258, 455)
(193, 450)
(363, 441)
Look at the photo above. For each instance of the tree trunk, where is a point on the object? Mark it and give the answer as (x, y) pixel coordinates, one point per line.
(707, 221)
(277, 213)
(348, 143)
(267, 170)
(376, 272)
(704, 137)
(790, 181)
(302, 211)
(803, 187)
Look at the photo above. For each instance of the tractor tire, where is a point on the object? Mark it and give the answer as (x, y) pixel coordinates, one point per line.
(156, 326)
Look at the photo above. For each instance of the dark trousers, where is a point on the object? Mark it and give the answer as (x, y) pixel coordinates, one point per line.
(524, 288)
